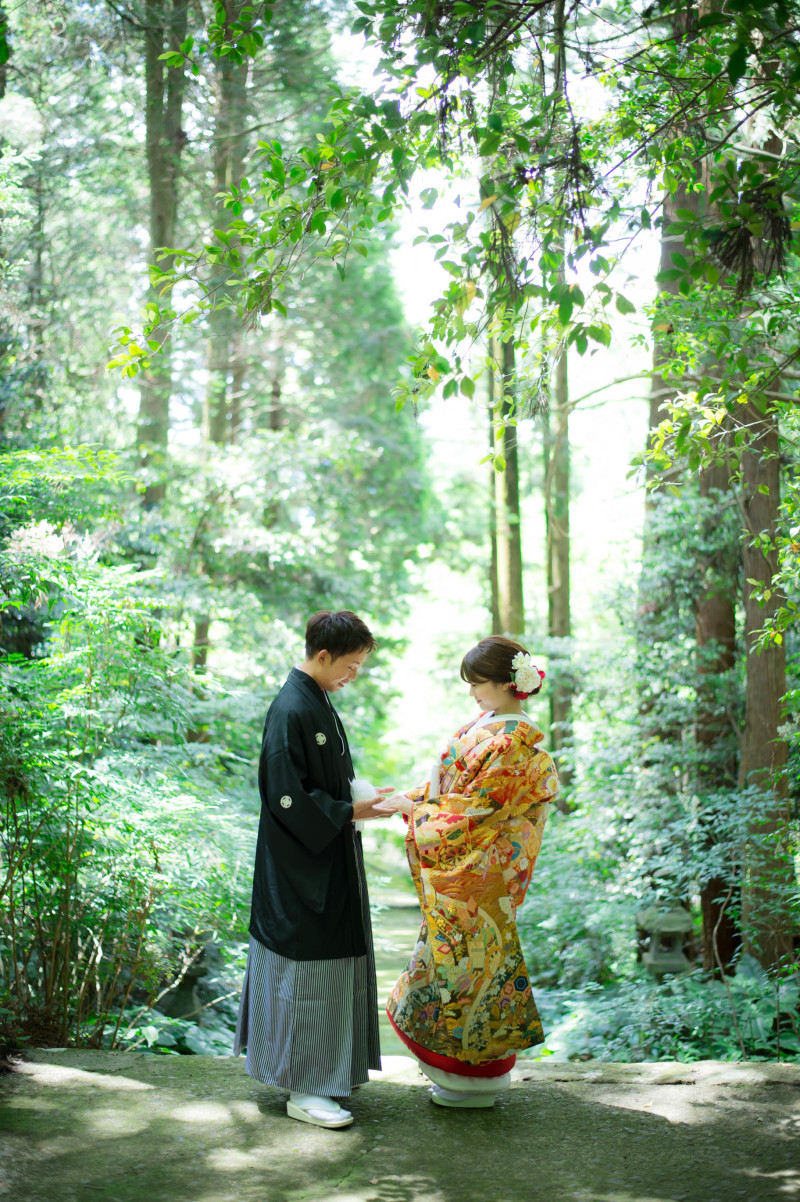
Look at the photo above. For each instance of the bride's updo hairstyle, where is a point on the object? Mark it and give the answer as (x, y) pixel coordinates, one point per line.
(491, 660)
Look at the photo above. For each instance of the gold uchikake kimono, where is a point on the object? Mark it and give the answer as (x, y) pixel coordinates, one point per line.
(465, 1000)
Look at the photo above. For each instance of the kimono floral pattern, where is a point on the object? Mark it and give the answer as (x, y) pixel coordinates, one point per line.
(465, 993)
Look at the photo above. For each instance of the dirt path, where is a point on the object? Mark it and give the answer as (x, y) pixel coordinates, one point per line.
(131, 1127)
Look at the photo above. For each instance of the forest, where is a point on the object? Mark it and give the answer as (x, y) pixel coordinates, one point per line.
(471, 316)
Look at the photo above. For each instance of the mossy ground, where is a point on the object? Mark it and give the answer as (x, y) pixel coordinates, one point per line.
(131, 1127)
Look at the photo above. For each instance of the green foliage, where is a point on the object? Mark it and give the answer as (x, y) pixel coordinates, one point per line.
(141, 644)
(660, 811)
(577, 919)
(684, 1018)
(465, 88)
(99, 892)
(786, 583)
(132, 802)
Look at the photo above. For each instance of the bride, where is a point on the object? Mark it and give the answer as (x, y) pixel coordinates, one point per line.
(464, 1005)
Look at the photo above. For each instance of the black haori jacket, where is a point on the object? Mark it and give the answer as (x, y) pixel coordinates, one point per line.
(306, 884)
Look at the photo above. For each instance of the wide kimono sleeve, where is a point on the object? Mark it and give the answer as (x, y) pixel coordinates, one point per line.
(308, 812)
(502, 779)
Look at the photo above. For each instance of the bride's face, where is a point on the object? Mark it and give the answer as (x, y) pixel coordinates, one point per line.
(491, 696)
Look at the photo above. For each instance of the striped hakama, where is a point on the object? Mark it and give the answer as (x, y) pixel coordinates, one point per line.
(310, 1026)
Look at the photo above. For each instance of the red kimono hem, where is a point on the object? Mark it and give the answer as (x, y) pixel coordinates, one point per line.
(448, 1064)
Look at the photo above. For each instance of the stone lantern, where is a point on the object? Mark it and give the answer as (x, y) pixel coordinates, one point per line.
(667, 930)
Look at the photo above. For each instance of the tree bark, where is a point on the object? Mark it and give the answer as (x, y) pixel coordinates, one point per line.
(766, 917)
(223, 403)
(715, 628)
(683, 26)
(225, 361)
(164, 89)
(559, 621)
(493, 585)
(509, 532)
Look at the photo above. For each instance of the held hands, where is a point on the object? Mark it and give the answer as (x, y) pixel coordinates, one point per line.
(402, 805)
(378, 806)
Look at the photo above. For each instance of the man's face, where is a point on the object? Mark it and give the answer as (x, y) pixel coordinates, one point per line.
(334, 674)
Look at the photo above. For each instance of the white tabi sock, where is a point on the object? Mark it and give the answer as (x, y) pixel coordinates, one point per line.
(310, 1101)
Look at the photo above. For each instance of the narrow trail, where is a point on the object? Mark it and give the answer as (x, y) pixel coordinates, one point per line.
(84, 1126)
(130, 1127)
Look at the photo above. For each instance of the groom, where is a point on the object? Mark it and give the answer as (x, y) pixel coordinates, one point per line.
(308, 1015)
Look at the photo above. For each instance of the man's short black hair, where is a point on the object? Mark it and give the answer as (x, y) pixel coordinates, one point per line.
(339, 633)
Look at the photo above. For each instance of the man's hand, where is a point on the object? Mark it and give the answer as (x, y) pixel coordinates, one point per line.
(378, 807)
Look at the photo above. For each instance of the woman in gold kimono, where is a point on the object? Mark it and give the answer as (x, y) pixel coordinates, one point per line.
(464, 1005)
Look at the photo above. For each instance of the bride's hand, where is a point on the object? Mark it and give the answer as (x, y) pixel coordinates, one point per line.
(380, 806)
(402, 805)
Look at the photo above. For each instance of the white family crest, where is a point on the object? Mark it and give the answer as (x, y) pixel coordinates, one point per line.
(320, 737)
(286, 801)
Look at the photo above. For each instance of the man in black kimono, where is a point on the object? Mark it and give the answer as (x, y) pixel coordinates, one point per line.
(308, 1015)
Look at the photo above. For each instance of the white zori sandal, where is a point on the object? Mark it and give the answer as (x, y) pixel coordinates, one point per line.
(320, 1112)
(464, 1093)
(461, 1101)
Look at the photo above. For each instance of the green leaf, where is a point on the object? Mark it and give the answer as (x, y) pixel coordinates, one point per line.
(713, 18)
(601, 334)
(737, 63)
(489, 145)
(624, 305)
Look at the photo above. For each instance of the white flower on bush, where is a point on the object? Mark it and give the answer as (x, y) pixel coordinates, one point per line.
(527, 677)
(39, 540)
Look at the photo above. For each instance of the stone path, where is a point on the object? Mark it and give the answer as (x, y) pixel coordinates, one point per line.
(80, 1126)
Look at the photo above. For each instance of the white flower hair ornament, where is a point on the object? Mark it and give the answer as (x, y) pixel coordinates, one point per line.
(526, 678)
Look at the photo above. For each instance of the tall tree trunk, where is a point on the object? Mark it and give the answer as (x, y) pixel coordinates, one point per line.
(715, 627)
(36, 301)
(200, 648)
(276, 414)
(225, 362)
(559, 621)
(493, 585)
(509, 533)
(767, 919)
(164, 88)
(222, 411)
(683, 25)
(661, 735)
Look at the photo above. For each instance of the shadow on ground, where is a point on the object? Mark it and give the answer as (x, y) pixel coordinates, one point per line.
(128, 1127)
